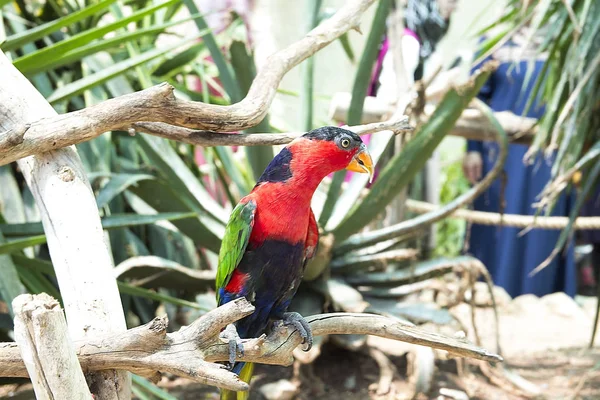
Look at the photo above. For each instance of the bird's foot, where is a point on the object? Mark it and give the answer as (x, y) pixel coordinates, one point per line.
(230, 335)
(297, 321)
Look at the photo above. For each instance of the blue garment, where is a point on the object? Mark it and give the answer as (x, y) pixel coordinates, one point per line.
(509, 257)
(591, 208)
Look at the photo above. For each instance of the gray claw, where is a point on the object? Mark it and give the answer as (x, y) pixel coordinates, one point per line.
(297, 321)
(230, 335)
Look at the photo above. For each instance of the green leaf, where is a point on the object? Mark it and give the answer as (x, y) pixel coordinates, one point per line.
(414, 273)
(312, 16)
(20, 244)
(162, 197)
(345, 41)
(245, 71)
(19, 39)
(419, 313)
(165, 273)
(402, 168)
(225, 71)
(100, 45)
(36, 282)
(10, 284)
(358, 182)
(116, 185)
(149, 294)
(174, 63)
(168, 242)
(32, 281)
(45, 267)
(225, 155)
(29, 63)
(333, 195)
(415, 225)
(365, 67)
(353, 262)
(114, 221)
(11, 201)
(343, 296)
(152, 389)
(359, 92)
(591, 181)
(81, 85)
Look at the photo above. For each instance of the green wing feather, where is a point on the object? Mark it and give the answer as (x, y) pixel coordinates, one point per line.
(235, 240)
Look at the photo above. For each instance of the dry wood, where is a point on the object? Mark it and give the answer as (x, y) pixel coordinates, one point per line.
(192, 351)
(515, 220)
(472, 124)
(159, 105)
(47, 350)
(76, 241)
(210, 139)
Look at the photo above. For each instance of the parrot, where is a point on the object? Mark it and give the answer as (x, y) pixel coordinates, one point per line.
(272, 233)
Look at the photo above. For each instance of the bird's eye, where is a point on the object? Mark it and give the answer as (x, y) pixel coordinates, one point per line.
(345, 143)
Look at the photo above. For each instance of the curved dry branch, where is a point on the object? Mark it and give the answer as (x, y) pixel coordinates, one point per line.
(158, 103)
(192, 351)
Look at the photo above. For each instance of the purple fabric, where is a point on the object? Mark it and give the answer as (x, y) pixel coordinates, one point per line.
(408, 32)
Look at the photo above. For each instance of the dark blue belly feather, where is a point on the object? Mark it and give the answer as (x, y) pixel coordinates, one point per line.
(275, 270)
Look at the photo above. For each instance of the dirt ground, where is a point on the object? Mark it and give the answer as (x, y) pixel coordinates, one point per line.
(544, 342)
(342, 375)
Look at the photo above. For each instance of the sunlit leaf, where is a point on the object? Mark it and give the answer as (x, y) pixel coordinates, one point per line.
(79, 86)
(12, 246)
(17, 40)
(28, 64)
(116, 185)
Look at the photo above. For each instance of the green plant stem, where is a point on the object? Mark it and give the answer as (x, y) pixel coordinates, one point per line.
(359, 92)
(401, 169)
(307, 99)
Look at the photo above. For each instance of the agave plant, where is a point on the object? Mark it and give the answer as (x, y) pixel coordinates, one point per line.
(165, 204)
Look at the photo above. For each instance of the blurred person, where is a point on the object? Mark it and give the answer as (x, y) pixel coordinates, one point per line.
(508, 256)
(425, 24)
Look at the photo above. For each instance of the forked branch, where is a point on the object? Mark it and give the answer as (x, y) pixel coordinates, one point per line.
(159, 105)
(192, 351)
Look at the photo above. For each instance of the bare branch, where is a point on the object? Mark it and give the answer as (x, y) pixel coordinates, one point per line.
(158, 103)
(515, 220)
(193, 350)
(41, 331)
(210, 139)
(471, 125)
(13, 137)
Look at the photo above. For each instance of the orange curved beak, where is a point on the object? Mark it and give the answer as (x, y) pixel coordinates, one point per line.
(362, 162)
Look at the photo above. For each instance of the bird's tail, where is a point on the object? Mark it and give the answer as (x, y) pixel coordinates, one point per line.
(245, 371)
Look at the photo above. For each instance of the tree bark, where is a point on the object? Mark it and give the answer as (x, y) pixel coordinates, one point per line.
(76, 241)
(47, 350)
(192, 351)
(471, 125)
(159, 109)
